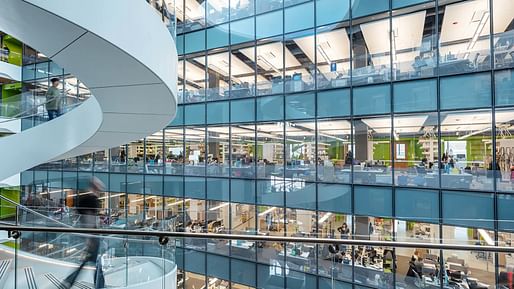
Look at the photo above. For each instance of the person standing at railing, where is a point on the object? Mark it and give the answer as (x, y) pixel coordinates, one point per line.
(88, 208)
(53, 99)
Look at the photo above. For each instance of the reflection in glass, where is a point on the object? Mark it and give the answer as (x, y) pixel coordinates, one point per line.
(466, 149)
(372, 146)
(503, 33)
(371, 52)
(416, 150)
(464, 37)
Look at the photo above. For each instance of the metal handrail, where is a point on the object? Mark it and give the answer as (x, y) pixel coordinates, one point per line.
(259, 238)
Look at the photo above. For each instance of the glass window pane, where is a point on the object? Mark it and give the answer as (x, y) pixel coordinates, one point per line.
(270, 152)
(334, 198)
(270, 64)
(269, 24)
(403, 3)
(478, 212)
(195, 15)
(476, 93)
(381, 205)
(466, 150)
(301, 195)
(372, 146)
(174, 151)
(371, 99)
(242, 70)
(217, 112)
(464, 44)
(243, 150)
(218, 189)
(242, 110)
(371, 51)
(242, 30)
(218, 151)
(195, 151)
(416, 150)
(194, 79)
(217, 36)
(421, 205)
(270, 108)
(217, 11)
(413, 96)
(505, 212)
(300, 106)
(332, 55)
(243, 191)
(503, 33)
(299, 70)
(195, 41)
(267, 5)
(334, 149)
(194, 114)
(300, 151)
(367, 7)
(329, 11)
(195, 188)
(414, 47)
(299, 17)
(241, 9)
(504, 84)
(218, 71)
(504, 150)
(334, 103)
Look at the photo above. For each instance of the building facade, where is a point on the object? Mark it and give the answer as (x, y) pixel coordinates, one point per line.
(365, 119)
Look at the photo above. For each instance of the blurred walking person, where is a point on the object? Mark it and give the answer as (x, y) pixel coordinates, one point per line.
(88, 208)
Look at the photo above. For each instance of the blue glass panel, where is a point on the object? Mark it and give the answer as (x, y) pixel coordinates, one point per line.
(421, 205)
(243, 191)
(327, 283)
(218, 189)
(195, 188)
(194, 261)
(367, 7)
(300, 106)
(217, 112)
(301, 195)
(504, 84)
(218, 266)
(334, 103)
(180, 44)
(153, 185)
(506, 213)
(466, 91)
(179, 117)
(117, 183)
(194, 41)
(373, 201)
(330, 11)
(420, 95)
(134, 184)
(299, 17)
(269, 194)
(242, 31)
(269, 24)
(27, 178)
(335, 198)
(403, 3)
(243, 272)
(83, 180)
(270, 108)
(270, 277)
(194, 114)
(173, 186)
(55, 179)
(477, 211)
(217, 36)
(300, 280)
(374, 99)
(242, 110)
